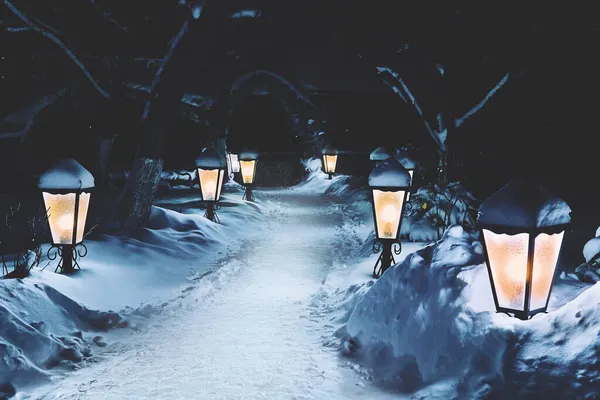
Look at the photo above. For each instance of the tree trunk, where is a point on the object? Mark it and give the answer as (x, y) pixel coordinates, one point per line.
(104, 152)
(442, 168)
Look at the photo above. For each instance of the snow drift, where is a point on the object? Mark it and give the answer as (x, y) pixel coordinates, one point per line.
(428, 319)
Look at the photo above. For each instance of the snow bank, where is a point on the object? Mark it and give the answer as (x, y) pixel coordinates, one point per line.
(40, 328)
(66, 174)
(346, 187)
(430, 319)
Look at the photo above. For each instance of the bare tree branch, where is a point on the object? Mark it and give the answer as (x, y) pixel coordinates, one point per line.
(59, 43)
(459, 121)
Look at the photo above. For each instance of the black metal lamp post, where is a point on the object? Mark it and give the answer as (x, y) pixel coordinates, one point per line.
(233, 164)
(329, 160)
(408, 163)
(378, 155)
(522, 226)
(389, 183)
(248, 160)
(66, 190)
(210, 166)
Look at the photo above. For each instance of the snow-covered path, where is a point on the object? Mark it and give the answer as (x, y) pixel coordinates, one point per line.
(247, 331)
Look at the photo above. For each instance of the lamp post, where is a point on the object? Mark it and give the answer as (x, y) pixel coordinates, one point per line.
(66, 190)
(408, 163)
(211, 165)
(329, 159)
(389, 184)
(233, 164)
(378, 155)
(248, 160)
(522, 226)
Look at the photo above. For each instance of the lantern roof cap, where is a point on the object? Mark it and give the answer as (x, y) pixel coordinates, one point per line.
(389, 173)
(248, 155)
(66, 174)
(329, 150)
(211, 158)
(524, 204)
(405, 159)
(380, 154)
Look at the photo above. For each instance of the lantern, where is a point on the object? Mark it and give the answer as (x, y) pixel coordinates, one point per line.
(210, 166)
(408, 163)
(66, 191)
(248, 160)
(378, 155)
(329, 161)
(233, 164)
(522, 226)
(389, 184)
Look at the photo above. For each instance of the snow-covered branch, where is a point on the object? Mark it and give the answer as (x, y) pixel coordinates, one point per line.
(155, 81)
(246, 14)
(59, 43)
(107, 16)
(18, 29)
(459, 121)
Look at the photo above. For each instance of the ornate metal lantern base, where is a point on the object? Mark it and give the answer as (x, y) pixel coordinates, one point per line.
(329, 176)
(69, 256)
(211, 210)
(248, 195)
(386, 258)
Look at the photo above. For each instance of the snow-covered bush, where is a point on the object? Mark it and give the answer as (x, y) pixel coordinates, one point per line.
(431, 319)
(21, 236)
(590, 270)
(432, 209)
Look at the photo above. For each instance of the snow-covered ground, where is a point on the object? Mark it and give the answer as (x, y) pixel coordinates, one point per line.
(279, 303)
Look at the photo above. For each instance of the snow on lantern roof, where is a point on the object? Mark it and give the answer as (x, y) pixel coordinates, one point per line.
(405, 159)
(248, 154)
(329, 150)
(211, 158)
(380, 154)
(66, 174)
(524, 204)
(389, 173)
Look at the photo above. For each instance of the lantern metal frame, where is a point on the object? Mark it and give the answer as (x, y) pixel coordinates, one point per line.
(388, 247)
(324, 165)
(68, 254)
(211, 206)
(525, 313)
(248, 193)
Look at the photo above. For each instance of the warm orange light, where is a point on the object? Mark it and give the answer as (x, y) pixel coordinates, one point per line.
(61, 216)
(388, 210)
(248, 168)
(329, 161)
(508, 262)
(211, 188)
(545, 259)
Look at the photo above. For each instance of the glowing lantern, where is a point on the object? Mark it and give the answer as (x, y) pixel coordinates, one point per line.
(408, 163)
(248, 160)
(66, 192)
(233, 164)
(211, 168)
(389, 183)
(329, 161)
(378, 155)
(522, 226)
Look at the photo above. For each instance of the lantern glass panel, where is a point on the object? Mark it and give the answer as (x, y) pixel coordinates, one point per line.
(211, 181)
(388, 210)
(330, 161)
(247, 168)
(61, 216)
(547, 250)
(507, 256)
(234, 164)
